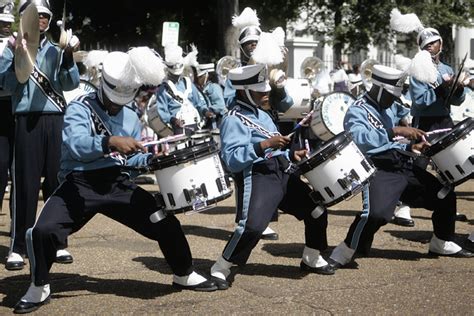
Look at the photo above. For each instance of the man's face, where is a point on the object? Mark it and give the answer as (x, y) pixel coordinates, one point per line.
(5, 28)
(260, 98)
(249, 47)
(43, 21)
(433, 48)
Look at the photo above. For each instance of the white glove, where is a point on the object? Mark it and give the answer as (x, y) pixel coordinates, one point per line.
(277, 78)
(72, 40)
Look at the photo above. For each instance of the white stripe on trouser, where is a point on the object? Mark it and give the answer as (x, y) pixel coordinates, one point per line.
(363, 218)
(239, 230)
(13, 204)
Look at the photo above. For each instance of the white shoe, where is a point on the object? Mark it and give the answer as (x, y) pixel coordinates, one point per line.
(221, 268)
(14, 262)
(36, 294)
(342, 254)
(312, 258)
(402, 216)
(269, 234)
(443, 247)
(63, 256)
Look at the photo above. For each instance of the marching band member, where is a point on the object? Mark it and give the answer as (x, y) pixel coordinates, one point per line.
(100, 138)
(210, 90)
(38, 106)
(430, 106)
(6, 116)
(253, 150)
(177, 99)
(279, 100)
(371, 120)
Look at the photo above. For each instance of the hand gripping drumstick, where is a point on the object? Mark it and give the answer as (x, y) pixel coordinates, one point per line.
(437, 131)
(300, 123)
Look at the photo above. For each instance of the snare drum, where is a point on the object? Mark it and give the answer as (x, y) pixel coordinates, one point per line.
(191, 179)
(85, 87)
(156, 123)
(453, 153)
(328, 116)
(300, 92)
(173, 143)
(338, 170)
(216, 136)
(201, 136)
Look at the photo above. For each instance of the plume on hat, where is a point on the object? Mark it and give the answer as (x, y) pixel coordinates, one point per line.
(404, 23)
(279, 36)
(173, 54)
(248, 17)
(423, 68)
(402, 63)
(191, 58)
(267, 51)
(148, 66)
(94, 58)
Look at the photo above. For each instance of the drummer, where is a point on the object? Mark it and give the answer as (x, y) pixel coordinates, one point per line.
(100, 138)
(254, 151)
(205, 80)
(178, 95)
(371, 120)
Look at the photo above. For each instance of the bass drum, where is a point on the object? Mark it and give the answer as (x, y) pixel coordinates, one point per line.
(300, 92)
(154, 119)
(328, 116)
(85, 87)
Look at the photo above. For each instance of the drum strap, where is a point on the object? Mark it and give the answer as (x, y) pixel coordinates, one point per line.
(249, 123)
(99, 128)
(42, 81)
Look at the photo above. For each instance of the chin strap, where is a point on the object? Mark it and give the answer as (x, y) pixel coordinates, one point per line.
(249, 96)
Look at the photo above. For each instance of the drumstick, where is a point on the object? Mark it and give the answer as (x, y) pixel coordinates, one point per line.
(300, 123)
(437, 131)
(162, 140)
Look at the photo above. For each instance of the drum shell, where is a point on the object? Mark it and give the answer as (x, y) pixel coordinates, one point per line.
(178, 174)
(328, 116)
(156, 123)
(300, 92)
(326, 169)
(453, 154)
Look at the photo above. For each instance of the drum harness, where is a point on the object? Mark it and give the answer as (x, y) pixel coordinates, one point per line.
(182, 98)
(288, 166)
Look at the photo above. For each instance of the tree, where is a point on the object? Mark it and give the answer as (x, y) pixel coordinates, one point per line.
(354, 24)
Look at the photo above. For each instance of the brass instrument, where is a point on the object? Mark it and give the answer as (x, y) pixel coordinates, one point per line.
(224, 65)
(27, 43)
(366, 72)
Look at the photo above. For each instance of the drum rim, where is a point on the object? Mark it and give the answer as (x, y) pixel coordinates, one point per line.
(341, 141)
(184, 155)
(459, 130)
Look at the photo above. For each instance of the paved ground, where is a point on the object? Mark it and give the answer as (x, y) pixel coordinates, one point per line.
(116, 271)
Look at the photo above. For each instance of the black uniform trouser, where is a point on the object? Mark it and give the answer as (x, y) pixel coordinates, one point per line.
(415, 187)
(112, 194)
(258, 195)
(37, 153)
(6, 143)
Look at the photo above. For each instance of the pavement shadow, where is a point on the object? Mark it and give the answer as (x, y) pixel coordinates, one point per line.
(160, 265)
(289, 250)
(422, 236)
(214, 233)
(61, 283)
(220, 210)
(405, 255)
(269, 270)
